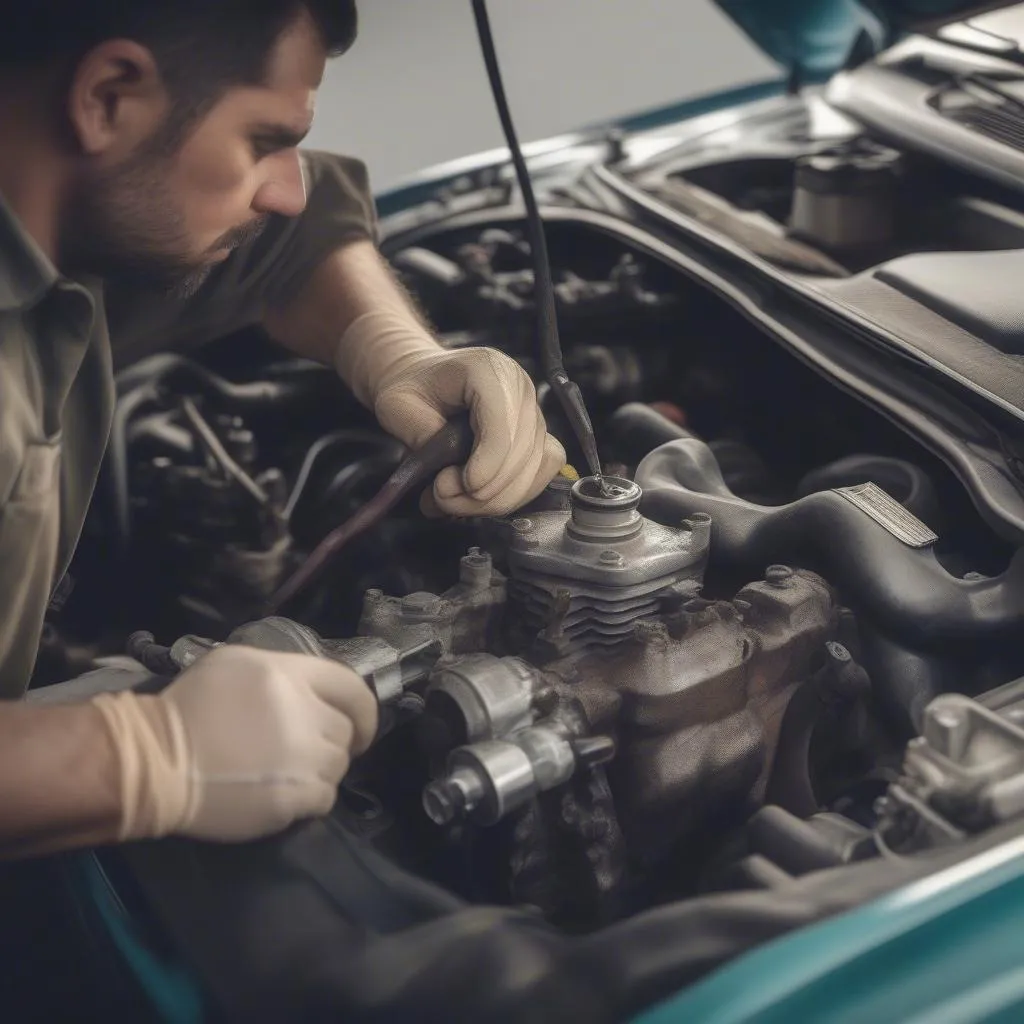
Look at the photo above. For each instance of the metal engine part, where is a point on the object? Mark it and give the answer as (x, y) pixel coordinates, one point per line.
(846, 199)
(217, 512)
(480, 697)
(489, 780)
(693, 702)
(607, 637)
(962, 775)
(585, 579)
(463, 618)
(389, 670)
(601, 654)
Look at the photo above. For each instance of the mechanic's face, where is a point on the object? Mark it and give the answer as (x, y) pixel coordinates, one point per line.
(167, 218)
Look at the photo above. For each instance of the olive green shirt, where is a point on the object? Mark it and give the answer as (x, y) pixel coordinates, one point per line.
(59, 343)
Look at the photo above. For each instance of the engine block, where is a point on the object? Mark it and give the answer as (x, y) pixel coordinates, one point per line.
(593, 671)
(597, 648)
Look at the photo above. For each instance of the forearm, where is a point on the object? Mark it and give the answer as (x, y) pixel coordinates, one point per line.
(351, 282)
(59, 780)
(354, 314)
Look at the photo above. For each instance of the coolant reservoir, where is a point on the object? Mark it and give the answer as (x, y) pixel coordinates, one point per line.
(846, 200)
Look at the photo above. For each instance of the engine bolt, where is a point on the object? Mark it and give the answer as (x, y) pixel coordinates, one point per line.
(593, 750)
(524, 537)
(948, 730)
(443, 802)
(611, 558)
(778, 575)
(837, 652)
(476, 557)
(475, 569)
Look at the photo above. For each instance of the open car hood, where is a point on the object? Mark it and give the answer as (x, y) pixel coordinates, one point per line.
(815, 38)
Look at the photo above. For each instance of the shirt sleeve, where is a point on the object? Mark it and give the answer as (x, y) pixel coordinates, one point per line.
(268, 271)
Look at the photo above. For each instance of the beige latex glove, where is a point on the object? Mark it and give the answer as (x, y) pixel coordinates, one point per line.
(414, 386)
(241, 745)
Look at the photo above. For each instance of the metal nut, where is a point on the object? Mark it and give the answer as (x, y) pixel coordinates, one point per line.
(778, 575)
(477, 558)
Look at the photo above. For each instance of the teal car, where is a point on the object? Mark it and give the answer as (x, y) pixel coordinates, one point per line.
(741, 740)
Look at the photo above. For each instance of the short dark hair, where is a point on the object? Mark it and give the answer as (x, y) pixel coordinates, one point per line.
(203, 47)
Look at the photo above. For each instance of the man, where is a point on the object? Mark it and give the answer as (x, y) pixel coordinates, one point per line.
(152, 194)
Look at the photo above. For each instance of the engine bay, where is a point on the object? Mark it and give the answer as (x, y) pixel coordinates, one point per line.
(704, 678)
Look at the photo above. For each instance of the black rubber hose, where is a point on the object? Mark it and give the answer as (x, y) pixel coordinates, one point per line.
(636, 430)
(142, 384)
(168, 370)
(547, 318)
(450, 446)
(780, 834)
(906, 682)
(328, 441)
(790, 786)
(903, 591)
(116, 465)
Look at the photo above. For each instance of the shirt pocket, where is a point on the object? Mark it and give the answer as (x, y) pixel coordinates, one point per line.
(29, 534)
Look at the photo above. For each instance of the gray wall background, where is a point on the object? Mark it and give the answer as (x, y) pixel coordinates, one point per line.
(413, 91)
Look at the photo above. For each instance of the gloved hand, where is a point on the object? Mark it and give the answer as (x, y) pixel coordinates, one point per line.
(414, 386)
(241, 745)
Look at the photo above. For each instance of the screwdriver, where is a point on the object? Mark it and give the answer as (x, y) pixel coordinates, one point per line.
(450, 446)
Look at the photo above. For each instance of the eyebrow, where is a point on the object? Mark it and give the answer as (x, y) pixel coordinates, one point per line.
(280, 135)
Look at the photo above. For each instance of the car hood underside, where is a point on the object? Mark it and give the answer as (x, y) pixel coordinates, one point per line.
(815, 38)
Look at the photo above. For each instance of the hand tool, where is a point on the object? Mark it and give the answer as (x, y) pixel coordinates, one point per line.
(450, 446)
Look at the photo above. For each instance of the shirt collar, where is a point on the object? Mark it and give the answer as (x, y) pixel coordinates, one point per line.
(26, 274)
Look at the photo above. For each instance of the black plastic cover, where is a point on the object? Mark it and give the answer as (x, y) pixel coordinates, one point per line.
(979, 291)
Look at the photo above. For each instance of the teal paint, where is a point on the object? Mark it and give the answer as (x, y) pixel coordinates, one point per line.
(816, 37)
(422, 188)
(172, 991)
(943, 950)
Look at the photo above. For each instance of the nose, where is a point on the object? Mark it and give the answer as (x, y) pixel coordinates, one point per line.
(283, 190)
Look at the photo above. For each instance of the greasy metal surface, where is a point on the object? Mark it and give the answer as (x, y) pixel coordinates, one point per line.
(463, 618)
(964, 773)
(701, 697)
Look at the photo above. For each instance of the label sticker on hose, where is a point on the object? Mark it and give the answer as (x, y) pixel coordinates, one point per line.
(888, 512)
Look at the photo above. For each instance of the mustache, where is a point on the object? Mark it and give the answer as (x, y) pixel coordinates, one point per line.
(244, 234)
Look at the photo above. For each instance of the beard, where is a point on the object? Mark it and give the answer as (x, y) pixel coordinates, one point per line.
(125, 226)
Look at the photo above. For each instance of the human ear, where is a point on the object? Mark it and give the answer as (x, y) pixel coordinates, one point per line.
(116, 98)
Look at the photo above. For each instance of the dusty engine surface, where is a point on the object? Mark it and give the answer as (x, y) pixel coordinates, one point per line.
(587, 696)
